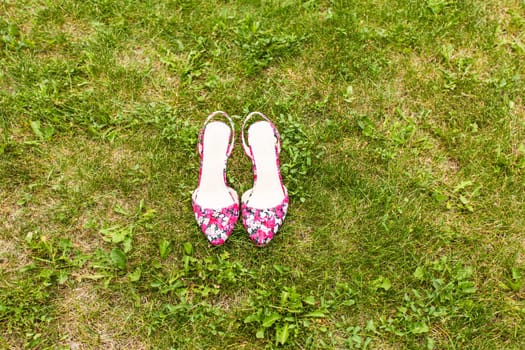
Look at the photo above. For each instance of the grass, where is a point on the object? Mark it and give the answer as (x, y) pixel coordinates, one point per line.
(403, 127)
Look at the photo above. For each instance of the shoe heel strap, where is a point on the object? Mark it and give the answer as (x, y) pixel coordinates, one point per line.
(245, 144)
(207, 121)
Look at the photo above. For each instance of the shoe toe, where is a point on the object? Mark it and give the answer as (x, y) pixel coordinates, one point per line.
(263, 224)
(216, 224)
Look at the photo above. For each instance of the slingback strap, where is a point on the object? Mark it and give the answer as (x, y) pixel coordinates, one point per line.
(275, 132)
(207, 121)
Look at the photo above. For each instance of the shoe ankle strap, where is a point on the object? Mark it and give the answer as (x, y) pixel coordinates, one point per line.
(207, 121)
(275, 132)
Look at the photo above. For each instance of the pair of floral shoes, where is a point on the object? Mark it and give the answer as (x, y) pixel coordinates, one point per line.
(216, 206)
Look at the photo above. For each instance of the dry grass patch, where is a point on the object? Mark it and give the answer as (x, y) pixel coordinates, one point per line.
(11, 11)
(138, 57)
(9, 211)
(511, 23)
(90, 321)
(160, 83)
(303, 82)
(12, 256)
(297, 78)
(76, 31)
(520, 259)
(90, 159)
(302, 236)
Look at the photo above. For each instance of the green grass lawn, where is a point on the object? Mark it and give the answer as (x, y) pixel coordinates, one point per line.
(403, 126)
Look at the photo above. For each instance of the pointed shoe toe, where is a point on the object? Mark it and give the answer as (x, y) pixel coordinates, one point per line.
(216, 224)
(262, 224)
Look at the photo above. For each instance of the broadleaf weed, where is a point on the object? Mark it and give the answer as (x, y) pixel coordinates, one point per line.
(283, 312)
(445, 294)
(298, 152)
(261, 47)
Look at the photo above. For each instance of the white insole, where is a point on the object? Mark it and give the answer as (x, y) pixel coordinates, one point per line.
(213, 192)
(267, 191)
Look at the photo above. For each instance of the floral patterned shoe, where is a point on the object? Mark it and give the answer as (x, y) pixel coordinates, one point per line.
(264, 206)
(216, 206)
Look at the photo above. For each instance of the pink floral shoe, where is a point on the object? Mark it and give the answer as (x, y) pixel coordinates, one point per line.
(264, 206)
(216, 206)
